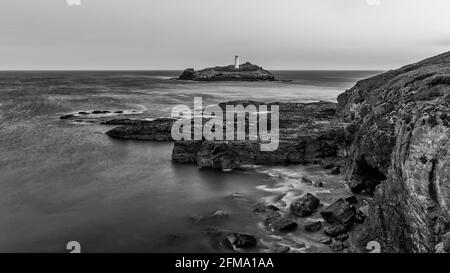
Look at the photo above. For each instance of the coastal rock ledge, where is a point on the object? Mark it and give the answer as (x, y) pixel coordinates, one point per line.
(246, 72)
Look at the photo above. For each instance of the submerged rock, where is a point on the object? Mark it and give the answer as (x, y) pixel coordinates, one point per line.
(96, 112)
(305, 205)
(307, 181)
(313, 226)
(217, 215)
(69, 116)
(239, 240)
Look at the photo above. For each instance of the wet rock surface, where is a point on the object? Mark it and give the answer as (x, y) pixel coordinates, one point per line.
(340, 212)
(305, 205)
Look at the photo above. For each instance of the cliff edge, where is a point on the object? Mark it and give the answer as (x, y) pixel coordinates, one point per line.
(401, 153)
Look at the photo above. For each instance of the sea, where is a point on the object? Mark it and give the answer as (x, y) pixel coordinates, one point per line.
(63, 181)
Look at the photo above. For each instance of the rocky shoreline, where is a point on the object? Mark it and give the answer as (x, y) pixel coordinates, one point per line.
(388, 135)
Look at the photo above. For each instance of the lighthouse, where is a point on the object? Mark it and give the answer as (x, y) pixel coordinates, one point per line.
(236, 62)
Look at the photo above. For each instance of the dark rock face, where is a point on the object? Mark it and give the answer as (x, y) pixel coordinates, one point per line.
(305, 205)
(339, 212)
(156, 130)
(402, 144)
(246, 72)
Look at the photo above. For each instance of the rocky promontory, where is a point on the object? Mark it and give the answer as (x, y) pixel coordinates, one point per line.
(245, 72)
(389, 135)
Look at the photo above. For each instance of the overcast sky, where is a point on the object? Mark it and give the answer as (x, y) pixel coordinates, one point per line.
(175, 34)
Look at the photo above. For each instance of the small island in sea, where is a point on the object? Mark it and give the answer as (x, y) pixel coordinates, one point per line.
(236, 72)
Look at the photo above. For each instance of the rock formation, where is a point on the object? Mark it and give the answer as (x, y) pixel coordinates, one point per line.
(156, 130)
(309, 132)
(402, 144)
(246, 72)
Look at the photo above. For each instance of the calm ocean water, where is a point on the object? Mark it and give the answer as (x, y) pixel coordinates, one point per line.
(61, 182)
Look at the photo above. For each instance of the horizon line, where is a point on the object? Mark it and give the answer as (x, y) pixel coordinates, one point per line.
(133, 69)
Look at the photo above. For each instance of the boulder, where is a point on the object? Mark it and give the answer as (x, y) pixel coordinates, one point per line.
(318, 184)
(282, 224)
(334, 230)
(313, 226)
(305, 205)
(307, 181)
(339, 212)
(69, 116)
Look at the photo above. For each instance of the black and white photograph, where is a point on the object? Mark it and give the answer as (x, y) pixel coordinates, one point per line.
(225, 127)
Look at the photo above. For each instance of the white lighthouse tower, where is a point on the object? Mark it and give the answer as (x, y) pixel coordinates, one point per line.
(236, 62)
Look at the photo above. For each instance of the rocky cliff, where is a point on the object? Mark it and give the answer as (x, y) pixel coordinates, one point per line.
(246, 72)
(402, 145)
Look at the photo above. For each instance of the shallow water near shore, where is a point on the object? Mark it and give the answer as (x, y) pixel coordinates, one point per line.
(62, 181)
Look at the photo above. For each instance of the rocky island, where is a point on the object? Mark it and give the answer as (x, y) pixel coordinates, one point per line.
(244, 72)
(389, 136)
